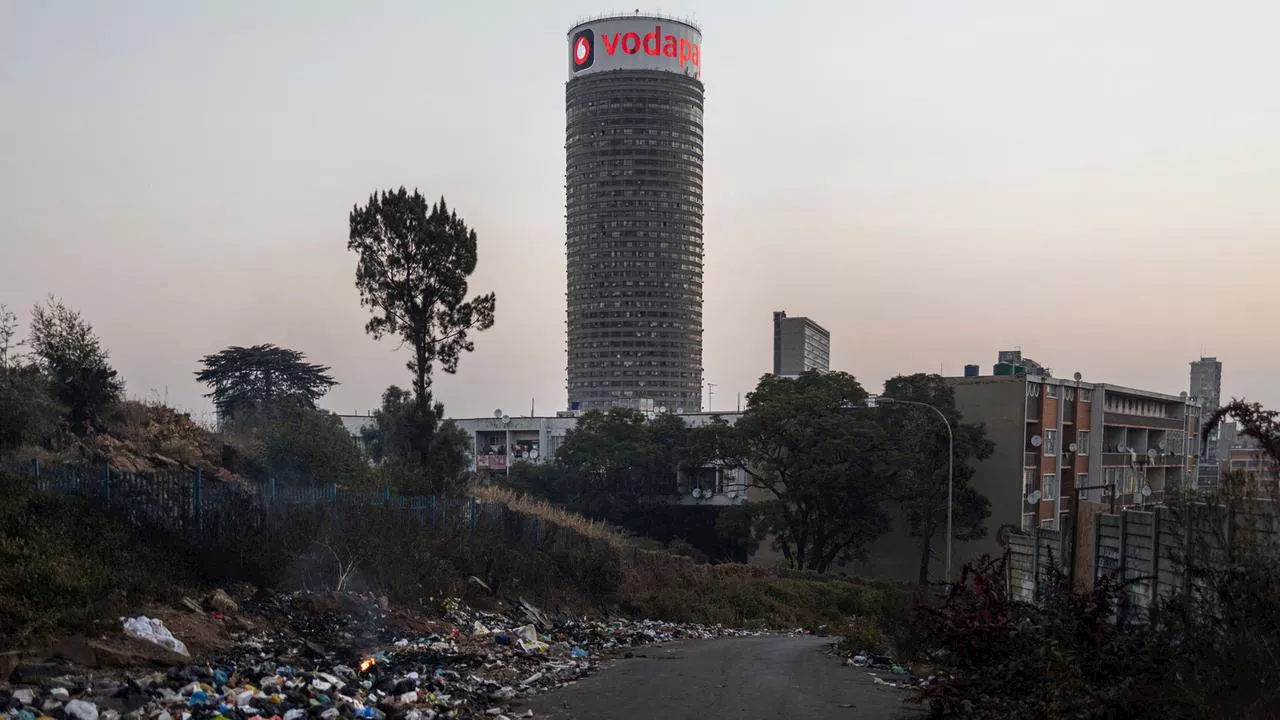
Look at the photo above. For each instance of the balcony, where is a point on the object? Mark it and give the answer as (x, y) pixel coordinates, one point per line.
(1114, 418)
(1031, 459)
(1125, 459)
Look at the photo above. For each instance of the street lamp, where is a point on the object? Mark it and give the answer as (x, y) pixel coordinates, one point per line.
(878, 400)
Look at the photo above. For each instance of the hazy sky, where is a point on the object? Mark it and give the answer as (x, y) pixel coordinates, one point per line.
(1095, 181)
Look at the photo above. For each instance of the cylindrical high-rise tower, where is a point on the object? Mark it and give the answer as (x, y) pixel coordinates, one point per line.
(633, 179)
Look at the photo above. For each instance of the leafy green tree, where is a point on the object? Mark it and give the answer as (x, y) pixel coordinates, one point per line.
(10, 344)
(70, 355)
(826, 469)
(414, 260)
(614, 461)
(921, 479)
(389, 438)
(245, 382)
(303, 445)
(390, 443)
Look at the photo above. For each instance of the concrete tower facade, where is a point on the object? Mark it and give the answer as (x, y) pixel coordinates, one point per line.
(633, 214)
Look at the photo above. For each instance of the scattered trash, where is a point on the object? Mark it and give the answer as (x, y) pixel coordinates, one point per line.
(153, 630)
(333, 656)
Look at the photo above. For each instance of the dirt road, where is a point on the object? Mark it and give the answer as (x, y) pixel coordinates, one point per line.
(738, 678)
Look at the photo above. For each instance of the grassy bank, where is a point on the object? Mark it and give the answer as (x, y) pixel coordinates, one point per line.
(65, 562)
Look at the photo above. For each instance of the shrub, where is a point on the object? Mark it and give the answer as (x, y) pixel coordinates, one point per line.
(65, 563)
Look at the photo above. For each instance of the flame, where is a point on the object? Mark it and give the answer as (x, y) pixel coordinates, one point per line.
(367, 663)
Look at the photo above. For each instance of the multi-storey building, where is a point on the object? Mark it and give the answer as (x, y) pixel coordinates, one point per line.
(799, 345)
(1206, 386)
(1055, 437)
(633, 213)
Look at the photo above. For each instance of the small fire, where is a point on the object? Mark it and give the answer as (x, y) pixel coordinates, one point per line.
(367, 663)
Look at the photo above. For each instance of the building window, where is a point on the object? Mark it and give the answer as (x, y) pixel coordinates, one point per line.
(1049, 524)
(1049, 487)
(1028, 481)
(1082, 442)
(1082, 480)
(1050, 390)
(1050, 442)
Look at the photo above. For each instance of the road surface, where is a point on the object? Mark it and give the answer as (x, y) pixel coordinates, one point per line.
(737, 678)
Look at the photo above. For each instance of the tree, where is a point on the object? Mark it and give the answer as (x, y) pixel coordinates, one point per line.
(391, 441)
(247, 381)
(9, 342)
(28, 413)
(71, 356)
(825, 468)
(615, 461)
(389, 438)
(304, 445)
(414, 261)
(921, 480)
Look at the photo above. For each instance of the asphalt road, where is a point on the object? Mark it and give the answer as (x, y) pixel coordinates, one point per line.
(737, 678)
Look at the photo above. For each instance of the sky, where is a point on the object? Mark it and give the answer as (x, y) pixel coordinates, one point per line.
(933, 181)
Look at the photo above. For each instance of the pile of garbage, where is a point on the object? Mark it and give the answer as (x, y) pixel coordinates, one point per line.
(876, 665)
(330, 656)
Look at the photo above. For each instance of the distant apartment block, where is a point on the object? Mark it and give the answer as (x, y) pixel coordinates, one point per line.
(1206, 386)
(799, 345)
(1053, 436)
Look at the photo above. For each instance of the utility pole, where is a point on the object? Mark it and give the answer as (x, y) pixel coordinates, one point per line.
(711, 390)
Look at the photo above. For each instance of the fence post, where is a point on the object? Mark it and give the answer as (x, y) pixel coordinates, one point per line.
(333, 494)
(271, 491)
(197, 499)
(473, 516)
(35, 468)
(386, 498)
(1155, 557)
(106, 483)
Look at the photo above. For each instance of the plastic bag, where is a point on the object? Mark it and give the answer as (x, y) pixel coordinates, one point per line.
(153, 630)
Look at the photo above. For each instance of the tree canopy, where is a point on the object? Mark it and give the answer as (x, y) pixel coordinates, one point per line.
(68, 352)
(391, 442)
(824, 468)
(245, 381)
(920, 485)
(303, 445)
(414, 261)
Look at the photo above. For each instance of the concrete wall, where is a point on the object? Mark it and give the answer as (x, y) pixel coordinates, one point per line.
(1000, 404)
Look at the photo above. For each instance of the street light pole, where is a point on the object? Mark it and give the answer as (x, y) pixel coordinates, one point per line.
(951, 462)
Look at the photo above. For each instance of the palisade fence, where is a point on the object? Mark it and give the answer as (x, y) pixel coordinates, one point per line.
(193, 507)
(1146, 549)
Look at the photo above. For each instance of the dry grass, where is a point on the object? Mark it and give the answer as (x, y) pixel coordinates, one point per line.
(534, 507)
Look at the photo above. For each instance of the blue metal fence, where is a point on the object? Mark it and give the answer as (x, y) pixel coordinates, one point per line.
(187, 503)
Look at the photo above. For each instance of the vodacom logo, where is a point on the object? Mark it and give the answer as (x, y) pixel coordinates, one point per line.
(584, 49)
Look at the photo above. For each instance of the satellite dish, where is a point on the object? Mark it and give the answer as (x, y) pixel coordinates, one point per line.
(1036, 441)
(506, 419)
(1151, 453)
(1146, 491)
(697, 492)
(1077, 377)
(533, 454)
(497, 413)
(662, 409)
(1073, 447)
(1033, 497)
(679, 411)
